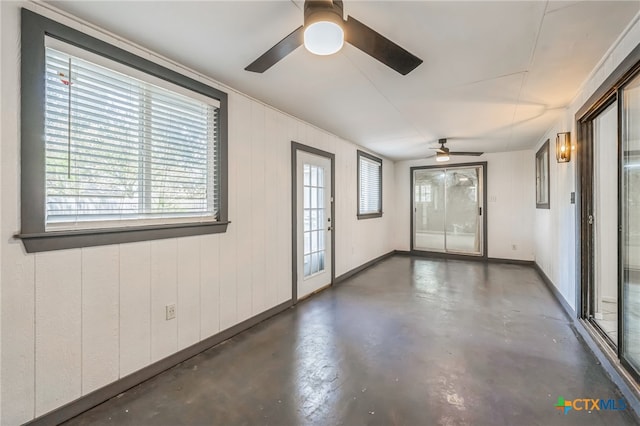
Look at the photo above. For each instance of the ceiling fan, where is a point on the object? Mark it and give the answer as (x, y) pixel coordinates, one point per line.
(324, 33)
(443, 153)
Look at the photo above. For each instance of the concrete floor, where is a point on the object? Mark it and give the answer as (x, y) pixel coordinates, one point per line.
(406, 342)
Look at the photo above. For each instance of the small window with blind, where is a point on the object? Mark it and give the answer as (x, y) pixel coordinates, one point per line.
(127, 155)
(369, 186)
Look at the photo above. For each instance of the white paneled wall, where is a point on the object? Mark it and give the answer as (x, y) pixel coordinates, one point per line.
(76, 320)
(555, 229)
(510, 198)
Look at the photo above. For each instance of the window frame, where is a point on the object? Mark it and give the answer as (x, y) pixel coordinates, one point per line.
(33, 176)
(379, 213)
(543, 176)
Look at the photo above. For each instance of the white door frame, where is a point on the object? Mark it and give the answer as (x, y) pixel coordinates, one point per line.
(295, 147)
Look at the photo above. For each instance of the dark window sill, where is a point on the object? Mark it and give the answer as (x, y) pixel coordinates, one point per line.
(60, 240)
(369, 216)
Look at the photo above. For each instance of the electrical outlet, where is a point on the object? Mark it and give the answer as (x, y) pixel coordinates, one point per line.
(170, 311)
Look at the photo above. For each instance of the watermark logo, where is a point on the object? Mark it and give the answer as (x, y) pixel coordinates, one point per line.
(590, 404)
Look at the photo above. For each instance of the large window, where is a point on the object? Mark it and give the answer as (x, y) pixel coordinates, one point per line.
(115, 148)
(369, 186)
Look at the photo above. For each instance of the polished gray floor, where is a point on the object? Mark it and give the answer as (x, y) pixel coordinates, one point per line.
(406, 342)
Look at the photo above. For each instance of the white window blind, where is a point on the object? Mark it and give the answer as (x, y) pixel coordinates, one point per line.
(124, 151)
(370, 181)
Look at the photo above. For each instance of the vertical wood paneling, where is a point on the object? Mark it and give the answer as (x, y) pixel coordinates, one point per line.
(228, 240)
(164, 291)
(245, 212)
(209, 285)
(58, 329)
(135, 306)
(100, 310)
(271, 241)
(18, 313)
(17, 308)
(258, 208)
(188, 306)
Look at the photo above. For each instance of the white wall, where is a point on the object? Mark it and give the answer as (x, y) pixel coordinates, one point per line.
(510, 197)
(555, 229)
(75, 320)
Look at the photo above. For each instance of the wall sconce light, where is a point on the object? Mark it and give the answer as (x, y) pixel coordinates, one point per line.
(563, 147)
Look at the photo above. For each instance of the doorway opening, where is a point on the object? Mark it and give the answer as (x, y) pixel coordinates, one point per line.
(448, 209)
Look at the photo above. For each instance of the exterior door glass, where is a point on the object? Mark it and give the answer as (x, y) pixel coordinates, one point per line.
(463, 219)
(630, 235)
(429, 210)
(447, 210)
(604, 303)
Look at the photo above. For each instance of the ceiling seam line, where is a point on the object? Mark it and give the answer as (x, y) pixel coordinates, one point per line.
(524, 77)
(386, 98)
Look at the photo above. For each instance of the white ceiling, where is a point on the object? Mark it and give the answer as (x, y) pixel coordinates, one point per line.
(495, 74)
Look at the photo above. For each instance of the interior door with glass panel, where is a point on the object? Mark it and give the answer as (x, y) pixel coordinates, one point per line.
(314, 233)
(447, 210)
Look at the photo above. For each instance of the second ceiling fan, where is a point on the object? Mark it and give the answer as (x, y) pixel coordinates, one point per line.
(324, 33)
(443, 153)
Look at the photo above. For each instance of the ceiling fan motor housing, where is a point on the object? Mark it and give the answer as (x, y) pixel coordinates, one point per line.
(315, 11)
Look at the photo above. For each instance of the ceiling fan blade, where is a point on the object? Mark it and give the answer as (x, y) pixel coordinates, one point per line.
(472, 154)
(277, 52)
(379, 47)
(439, 150)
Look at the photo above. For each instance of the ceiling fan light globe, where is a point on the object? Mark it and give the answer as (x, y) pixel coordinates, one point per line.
(323, 38)
(442, 157)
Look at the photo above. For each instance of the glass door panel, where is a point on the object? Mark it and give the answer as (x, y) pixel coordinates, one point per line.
(429, 210)
(463, 219)
(446, 210)
(604, 306)
(630, 241)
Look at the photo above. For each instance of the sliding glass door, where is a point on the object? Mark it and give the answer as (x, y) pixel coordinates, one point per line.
(604, 303)
(630, 223)
(447, 209)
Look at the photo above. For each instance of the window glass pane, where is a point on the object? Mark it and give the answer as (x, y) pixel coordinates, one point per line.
(314, 263)
(314, 176)
(307, 175)
(307, 197)
(307, 242)
(321, 261)
(307, 265)
(307, 220)
(119, 148)
(321, 240)
(370, 184)
(314, 241)
(314, 197)
(314, 219)
(321, 177)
